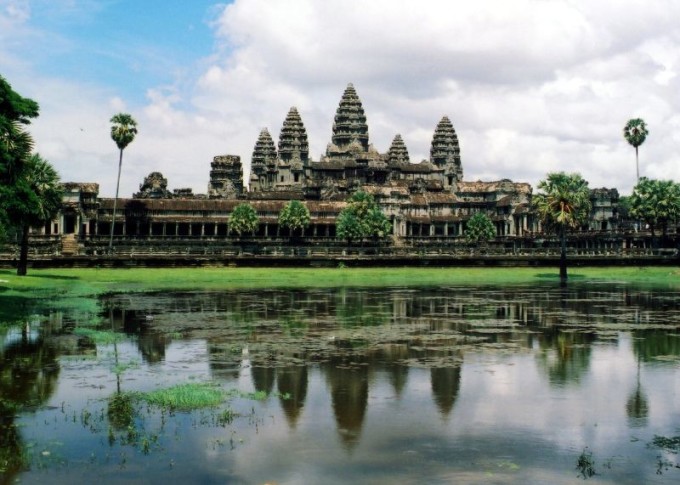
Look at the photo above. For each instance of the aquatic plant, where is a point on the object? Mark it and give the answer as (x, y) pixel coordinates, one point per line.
(185, 397)
(121, 410)
(101, 337)
(671, 444)
(585, 464)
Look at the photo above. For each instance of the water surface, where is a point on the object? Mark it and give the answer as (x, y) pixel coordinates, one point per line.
(469, 384)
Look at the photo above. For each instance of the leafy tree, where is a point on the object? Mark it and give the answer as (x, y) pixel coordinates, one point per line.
(657, 202)
(37, 199)
(243, 219)
(563, 203)
(30, 193)
(362, 218)
(635, 132)
(16, 144)
(123, 131)
(348, 226)
(479, 228)
(294, 216)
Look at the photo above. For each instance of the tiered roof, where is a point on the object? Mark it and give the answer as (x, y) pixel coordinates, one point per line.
(264, 154)
(398, 153)
(293, 144)
(350, 130)
(445, 149)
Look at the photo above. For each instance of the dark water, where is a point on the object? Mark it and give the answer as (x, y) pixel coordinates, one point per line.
(395, 385)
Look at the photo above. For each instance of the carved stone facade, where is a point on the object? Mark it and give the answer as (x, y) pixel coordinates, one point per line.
(155, 186)
(226, 177)
(350, 160)
(429, 199)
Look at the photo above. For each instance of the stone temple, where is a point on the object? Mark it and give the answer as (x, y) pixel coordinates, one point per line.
(426, 201)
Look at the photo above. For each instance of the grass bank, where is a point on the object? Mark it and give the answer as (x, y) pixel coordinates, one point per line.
(89, 282)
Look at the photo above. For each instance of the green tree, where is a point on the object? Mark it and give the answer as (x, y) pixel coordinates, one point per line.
(562, 203)
(36, 199)
(635, 132)
(657, 202)
(123, 131)
(362, 218)
(479, 228)
(294, 216)
(16, 144)
(243, 219)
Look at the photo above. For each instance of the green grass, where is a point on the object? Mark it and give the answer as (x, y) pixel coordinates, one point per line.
(185, 397)
(99, 336)
(74, 283)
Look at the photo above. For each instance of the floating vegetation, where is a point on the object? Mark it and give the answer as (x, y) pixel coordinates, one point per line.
(101, 337)
(667, 358)
(121, 410)
(185, 397)
(671, 444)
(585, 464)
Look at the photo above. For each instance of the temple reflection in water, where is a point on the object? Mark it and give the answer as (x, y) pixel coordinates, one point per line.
(277, 339)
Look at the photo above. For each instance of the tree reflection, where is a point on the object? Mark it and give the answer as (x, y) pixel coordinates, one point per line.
(28, 378)
(650, 345)
(636, 406)
(565, 356)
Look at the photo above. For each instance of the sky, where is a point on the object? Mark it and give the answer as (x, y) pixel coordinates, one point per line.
(531, 86)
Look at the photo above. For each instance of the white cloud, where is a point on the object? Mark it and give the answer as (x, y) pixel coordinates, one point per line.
(531, 86)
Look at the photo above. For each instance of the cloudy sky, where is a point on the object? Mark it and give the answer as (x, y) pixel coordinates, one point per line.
(531, 86)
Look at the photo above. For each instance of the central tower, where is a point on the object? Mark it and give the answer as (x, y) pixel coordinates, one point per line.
(350, 131)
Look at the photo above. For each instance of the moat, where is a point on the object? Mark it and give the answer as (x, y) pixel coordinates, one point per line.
(459, 384)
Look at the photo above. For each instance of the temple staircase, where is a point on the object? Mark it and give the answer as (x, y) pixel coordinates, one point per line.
(69, 245)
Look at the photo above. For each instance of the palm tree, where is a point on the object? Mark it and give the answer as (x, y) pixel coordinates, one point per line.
(635, 132)
(38, 200)
(563, 203)
(123, 131)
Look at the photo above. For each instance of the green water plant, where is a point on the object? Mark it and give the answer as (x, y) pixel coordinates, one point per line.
(585, 464)
(185, 397)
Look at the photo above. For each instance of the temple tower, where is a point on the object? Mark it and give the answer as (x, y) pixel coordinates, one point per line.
(226, 177)
(398, 154)
(263, 167)
(293, 150)
(445, 152)
(155, 186)
(350, 131)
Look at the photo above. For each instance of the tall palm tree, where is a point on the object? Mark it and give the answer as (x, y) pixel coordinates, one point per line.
(563, 203)
(39, 195)
(635, 132)
(123, 131)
